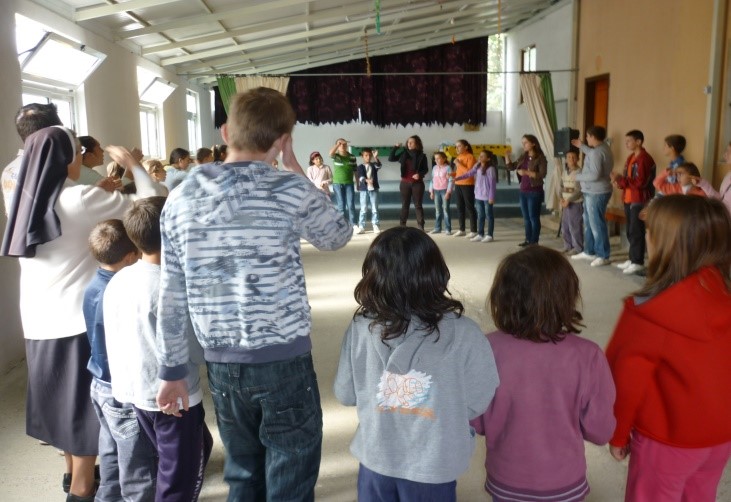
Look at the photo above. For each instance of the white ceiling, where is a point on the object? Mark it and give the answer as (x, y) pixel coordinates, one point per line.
(199, 39)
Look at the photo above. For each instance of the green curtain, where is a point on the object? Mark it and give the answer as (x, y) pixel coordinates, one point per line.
(227, 88)
(547, 91)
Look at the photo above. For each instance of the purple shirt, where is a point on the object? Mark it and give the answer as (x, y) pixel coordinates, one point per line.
(525, 185)
(552, 396)
(485, 184)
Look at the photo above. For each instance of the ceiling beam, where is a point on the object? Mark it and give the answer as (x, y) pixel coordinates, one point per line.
(339, 13)
(353, 27)
(87, 13)
(341, 42)
(226, 15)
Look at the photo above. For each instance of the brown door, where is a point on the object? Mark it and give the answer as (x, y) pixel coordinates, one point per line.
(596, 105)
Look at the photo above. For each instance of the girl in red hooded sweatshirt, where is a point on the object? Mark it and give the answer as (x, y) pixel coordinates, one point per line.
(670, 354)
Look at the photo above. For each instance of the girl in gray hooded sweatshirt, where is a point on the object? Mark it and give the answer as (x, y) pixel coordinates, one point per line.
(416, 368)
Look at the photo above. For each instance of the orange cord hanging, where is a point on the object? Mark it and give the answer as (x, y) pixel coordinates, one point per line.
(368, 59)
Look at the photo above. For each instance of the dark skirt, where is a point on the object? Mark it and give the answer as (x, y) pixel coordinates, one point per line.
(58, 405)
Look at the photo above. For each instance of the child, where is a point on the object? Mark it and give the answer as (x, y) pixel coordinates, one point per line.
(182, 439)
(555, 387)
(465, 190)
(219, 153)
(636, 185)
(440, 191)
(155, 169)
(128, 463)
(724, 192)
(572, 204)
(687, 176)
(417, 370)
(203, 156)
(673, 150)
(485, 175)
(319, 174)
(670, 353)
(178, 169)
(344, 166)
(367, 174)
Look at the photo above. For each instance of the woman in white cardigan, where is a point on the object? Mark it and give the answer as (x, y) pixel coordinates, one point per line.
(48, 229)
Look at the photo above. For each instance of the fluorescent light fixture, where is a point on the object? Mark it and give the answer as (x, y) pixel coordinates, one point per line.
(158, 91)
(58, 59)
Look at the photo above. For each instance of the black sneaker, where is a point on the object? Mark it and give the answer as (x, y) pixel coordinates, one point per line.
(524, 244)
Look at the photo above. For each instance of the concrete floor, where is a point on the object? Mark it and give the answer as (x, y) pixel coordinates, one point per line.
(31, 472)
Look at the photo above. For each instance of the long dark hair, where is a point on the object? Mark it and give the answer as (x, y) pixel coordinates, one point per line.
(466, 144)
(404, 277)
(536, 144)
(419, 143)
(535, 294)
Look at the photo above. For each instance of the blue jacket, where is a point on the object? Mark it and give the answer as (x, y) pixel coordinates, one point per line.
(98, 364)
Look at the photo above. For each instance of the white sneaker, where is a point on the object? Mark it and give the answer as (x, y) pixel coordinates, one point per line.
(624, 264)
(448, 232)
(358, 230)
(633, 269)
(476, 238)
(471, 235)
(583, 256)
(376, 230)
(435, 231)
(600, 262)
(459, 233)
(487, 238)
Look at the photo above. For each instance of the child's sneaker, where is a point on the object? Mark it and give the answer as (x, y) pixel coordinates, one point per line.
(487, 238)
(448, 232)
(459, 233)
(435, 231)
(471, 235)
(376, 230)
(358, 230)
(476, 238)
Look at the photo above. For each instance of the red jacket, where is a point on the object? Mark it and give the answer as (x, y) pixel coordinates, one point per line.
(671, 362)
(666, 188)
(637, 177)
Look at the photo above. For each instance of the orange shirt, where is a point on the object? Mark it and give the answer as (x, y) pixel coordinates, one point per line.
(466, 161)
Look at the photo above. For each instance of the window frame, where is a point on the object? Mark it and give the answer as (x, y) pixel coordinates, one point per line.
(53, 94)
(193, 119)
(532, 55)
(151, 110)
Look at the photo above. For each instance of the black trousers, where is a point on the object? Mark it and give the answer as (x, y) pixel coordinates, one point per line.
(411, 191)
(466, 200)
(635, 232)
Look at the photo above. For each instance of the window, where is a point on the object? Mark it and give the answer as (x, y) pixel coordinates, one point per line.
(527, 63)
(495, 75)
(193, 119)
(528, 58)
(150, 131)
(64, 101)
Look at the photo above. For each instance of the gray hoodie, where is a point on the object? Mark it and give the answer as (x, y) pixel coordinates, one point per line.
(415, 395)
(598, 164)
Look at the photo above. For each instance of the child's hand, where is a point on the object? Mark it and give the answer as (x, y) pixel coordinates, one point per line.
(431, 195)
(168, 395)
(416, 177)
(619, 452)
(564, 203)
(449, 194)
(694, 180)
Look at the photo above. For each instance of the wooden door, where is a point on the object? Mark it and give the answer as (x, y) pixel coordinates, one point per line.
(596, 104)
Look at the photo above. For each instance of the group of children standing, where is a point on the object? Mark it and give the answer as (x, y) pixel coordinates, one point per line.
(425, 379)
(474, 181)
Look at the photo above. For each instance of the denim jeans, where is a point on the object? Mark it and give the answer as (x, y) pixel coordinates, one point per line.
(127, 458)
(530, 206)
(484, 211)
(441, 206)
(270, 421)
(364, 196)
(344, 200)
(596, 233)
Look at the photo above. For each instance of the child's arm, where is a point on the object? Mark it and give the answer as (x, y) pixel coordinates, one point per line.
(597, 415)
(289, 159)
(706, 187)
(468, 174)
(344, 385)
(480, 377)
(491, 184)
(661, 182)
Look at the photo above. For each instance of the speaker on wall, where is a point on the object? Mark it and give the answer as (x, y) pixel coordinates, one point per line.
(562, 141)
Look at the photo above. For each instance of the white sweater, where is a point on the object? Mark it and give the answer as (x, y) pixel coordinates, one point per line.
(52, 283)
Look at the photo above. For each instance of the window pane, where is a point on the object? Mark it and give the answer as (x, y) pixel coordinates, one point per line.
(191, 103)
(65, 112)
(33, 98)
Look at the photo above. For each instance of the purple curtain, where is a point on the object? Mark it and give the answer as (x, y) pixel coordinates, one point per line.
(398, 99)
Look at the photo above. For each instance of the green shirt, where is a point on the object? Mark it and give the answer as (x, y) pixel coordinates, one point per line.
(343, 167)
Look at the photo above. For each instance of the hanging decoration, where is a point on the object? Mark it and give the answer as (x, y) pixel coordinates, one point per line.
(368, 58)
(378, 17)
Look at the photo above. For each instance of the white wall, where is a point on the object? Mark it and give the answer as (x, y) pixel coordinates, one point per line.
(308, 138)
(553, 37)
(110, 109)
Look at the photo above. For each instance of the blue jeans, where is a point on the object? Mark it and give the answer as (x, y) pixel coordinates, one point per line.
(127, 458)
(270, 421)
(596, 233)
(344, 200)
(482, 206)
(530, 206)
(364, 196)
(441, 206)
